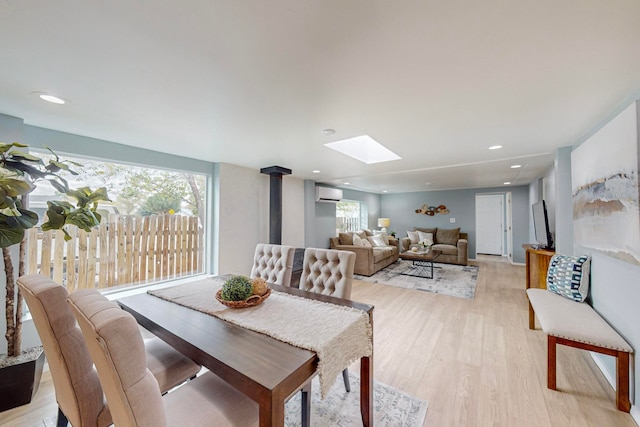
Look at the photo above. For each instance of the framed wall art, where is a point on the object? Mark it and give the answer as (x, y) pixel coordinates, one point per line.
(606, 191)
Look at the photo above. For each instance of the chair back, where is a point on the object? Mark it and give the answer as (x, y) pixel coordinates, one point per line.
(117, 349)
(273, 263)
(76, 383)
(328, 272)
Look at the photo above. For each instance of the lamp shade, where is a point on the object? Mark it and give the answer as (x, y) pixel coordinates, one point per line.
(384, 222)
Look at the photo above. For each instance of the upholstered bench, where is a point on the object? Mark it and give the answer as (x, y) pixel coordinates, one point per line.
(576, 324)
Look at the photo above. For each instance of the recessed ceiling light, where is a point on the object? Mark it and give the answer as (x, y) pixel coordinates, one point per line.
(507, 183)
(364, 148)
(427, 183)
(328, 132)
(316, 171)
(384, 191)
(495, 147)
(516, 166)
(345, 183)
(50, 98)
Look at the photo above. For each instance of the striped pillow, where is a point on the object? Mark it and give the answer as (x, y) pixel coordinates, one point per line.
(568, 276)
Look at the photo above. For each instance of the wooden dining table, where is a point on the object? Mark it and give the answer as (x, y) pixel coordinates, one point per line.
(265, 369)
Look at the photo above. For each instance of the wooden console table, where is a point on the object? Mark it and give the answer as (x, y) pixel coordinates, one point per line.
(537, 264)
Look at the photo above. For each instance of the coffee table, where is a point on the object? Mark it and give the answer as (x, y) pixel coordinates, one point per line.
(422, 263)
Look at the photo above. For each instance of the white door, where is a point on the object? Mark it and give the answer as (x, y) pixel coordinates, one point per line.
(489, 224)
(509, 228)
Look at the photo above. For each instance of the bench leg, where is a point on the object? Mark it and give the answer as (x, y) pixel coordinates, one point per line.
(551, 362)
(532, 318)
(622, 382)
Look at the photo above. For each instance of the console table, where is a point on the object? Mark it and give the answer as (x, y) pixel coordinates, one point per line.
(537, 264)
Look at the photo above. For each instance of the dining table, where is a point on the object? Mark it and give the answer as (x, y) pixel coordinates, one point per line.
(265, 369)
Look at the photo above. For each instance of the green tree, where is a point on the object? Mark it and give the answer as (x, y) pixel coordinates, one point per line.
(132, 185)
(159, 203)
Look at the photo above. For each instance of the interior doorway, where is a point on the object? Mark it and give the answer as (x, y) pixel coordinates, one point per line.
(490, 224)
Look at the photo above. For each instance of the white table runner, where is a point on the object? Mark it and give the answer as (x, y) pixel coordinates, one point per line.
(339, 335)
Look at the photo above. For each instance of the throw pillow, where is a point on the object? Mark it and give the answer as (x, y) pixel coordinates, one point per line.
(413, 237)
(384, 235)
(425, 237)
(376, 241)
(366, 243)
(367, 232)
(427, 230)
(346, 238)
(568, 276)
(357, 241)
(361, 233)
(448, 237)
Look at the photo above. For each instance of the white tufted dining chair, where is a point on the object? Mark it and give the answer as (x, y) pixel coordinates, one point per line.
(117, 349)
(329, 272)
(273, 263)
(78, 391)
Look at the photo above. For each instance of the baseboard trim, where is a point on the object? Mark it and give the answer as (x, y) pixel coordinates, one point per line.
(610, 379)
(635, 414)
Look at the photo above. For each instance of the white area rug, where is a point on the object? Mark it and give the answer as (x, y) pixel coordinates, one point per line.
(453, 280)
(392, 407)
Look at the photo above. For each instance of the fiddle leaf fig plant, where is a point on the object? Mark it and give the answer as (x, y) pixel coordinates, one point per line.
(19, 173)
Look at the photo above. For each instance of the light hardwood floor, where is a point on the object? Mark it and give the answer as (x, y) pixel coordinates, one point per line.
(476, 362)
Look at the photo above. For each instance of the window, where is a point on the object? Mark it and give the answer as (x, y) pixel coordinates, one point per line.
(351, 215)
(153, 229)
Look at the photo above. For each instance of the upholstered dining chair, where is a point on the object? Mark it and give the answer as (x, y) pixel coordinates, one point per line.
(273, 263)
(78, 392)
(134, 399)
(329, 272)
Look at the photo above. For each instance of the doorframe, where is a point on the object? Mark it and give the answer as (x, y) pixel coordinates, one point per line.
(507, 222)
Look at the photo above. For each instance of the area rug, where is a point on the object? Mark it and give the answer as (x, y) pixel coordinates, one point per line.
(392, 407)
(453, 280)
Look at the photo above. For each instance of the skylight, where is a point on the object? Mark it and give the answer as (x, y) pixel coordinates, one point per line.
(365, 149)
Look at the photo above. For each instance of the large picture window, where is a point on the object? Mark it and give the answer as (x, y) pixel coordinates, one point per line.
(152, 230)
(351, 215)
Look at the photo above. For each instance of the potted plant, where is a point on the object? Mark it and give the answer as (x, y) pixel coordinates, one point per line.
(19, 172)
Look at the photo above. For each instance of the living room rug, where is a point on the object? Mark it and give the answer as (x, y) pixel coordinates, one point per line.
(453, 280)
(392, 407)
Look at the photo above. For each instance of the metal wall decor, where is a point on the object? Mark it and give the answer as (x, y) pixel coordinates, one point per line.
(432, 210)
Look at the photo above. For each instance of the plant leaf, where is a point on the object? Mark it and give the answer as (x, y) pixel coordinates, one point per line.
(83, 218)
(9, 236)
(60, 185)
(15, 186)
(100, 195)
(21, 155)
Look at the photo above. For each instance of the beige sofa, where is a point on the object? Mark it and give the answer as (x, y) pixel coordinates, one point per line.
(450, 242)
(369, 260)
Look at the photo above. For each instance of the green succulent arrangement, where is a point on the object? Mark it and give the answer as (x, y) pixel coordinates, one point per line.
(237, 288)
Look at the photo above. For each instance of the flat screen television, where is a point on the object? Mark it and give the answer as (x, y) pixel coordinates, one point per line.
(544, 239)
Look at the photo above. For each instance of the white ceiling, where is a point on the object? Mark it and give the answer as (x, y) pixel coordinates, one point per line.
(255, 82)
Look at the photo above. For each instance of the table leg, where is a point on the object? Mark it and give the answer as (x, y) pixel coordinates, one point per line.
(366, 391)
(271, 412)
(306, 405)
(366, 384)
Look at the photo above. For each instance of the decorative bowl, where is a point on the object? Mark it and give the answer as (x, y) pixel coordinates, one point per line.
(253, 300)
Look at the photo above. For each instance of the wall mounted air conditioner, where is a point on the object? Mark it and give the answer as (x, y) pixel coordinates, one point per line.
(326, 194)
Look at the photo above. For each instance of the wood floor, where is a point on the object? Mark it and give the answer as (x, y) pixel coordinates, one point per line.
(475, 361)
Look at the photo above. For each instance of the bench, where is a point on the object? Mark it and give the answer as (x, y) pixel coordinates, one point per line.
(577, 324)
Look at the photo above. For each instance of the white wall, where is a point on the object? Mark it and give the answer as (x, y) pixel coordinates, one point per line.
(563, 211)
(293, 217)
(243, 219)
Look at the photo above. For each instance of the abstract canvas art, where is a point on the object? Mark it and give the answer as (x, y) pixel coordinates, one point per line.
(604, 172)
